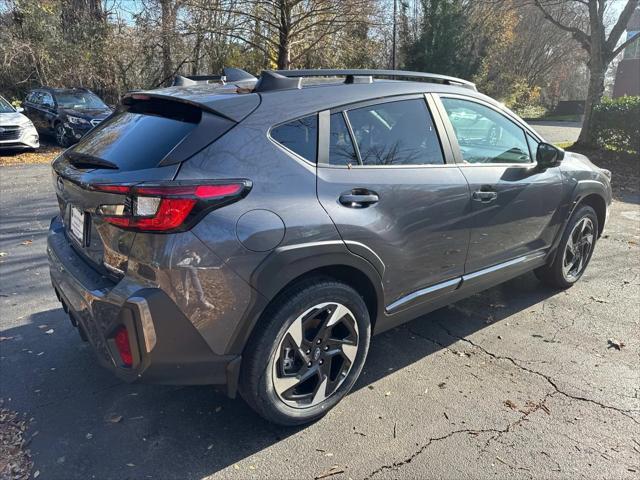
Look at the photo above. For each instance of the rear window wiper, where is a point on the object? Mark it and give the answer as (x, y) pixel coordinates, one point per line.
(85, 160)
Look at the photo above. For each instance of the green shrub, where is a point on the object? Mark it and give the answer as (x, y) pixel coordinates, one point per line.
(616, 124)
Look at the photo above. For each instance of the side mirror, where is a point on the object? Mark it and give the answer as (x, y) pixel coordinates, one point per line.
(548, 155)
(19, 109)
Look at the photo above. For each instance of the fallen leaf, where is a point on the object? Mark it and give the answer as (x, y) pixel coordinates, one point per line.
(613, 343)
(335, 470)
(26, 242)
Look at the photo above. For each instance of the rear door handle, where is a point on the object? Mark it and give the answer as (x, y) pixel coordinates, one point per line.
(358, 200)
(485, 197)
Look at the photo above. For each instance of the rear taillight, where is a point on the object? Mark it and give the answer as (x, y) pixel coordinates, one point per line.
(166, 208)
(121, 339)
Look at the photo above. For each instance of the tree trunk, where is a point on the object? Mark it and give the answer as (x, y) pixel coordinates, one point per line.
(284, 36)
(597, 72)
(168, 24)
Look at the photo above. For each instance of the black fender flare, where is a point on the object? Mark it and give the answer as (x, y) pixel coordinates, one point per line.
(287, 263)
(581, 190)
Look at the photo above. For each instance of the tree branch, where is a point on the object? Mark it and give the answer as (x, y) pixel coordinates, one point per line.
(579, 35)
(624, 44)
(621, 25)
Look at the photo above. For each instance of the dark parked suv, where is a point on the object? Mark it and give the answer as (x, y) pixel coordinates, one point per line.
(66, 113)
(256, 232)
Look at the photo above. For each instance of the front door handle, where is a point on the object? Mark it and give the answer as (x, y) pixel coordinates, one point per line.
(484, 197)
(358, 200)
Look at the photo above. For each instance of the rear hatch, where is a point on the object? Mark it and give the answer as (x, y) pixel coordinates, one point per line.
(143, 142)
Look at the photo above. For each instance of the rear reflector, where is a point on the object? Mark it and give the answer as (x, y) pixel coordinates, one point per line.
(121, 340)
(168, 207)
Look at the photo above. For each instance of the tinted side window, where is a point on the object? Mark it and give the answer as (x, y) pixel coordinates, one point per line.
(36, 97)
(47, 100)
(396, 133)
(485, 135)
(299, 136)
(341, 151)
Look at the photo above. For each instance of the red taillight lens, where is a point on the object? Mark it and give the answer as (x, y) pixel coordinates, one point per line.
(121, 339)
(162, 208)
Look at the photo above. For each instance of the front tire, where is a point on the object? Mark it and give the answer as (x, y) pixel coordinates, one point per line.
(575, 250)
(307, 353)
(61, 135)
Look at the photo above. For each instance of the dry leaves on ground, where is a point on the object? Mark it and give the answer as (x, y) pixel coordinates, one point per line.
(15, 459)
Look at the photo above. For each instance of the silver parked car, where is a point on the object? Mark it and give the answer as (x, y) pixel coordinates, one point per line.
(16, 130)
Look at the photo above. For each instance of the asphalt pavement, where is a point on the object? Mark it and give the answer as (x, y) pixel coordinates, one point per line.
(519, 381)
(557, 132)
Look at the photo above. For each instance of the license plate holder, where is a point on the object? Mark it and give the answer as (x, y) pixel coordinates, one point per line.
(76, 225)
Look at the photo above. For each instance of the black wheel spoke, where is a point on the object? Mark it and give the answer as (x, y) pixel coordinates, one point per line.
(578, 249)
(315, 355)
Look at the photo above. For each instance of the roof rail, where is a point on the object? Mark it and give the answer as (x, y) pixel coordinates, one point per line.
(229, 75)
(434, 77)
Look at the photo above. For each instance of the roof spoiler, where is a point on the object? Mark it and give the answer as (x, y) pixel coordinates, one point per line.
(355, 75)
(229, 75)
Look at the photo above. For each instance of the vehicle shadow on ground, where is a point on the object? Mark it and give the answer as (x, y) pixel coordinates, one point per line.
(93, 426)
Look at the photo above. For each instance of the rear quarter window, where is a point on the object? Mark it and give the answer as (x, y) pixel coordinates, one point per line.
(300, 136)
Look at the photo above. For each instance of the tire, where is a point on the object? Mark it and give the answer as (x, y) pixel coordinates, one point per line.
(558, 274)
(61, 136)
(272, 365)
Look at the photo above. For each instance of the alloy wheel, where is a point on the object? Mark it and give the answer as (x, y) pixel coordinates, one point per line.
(315, 355)
(61, 136)
(578, 249)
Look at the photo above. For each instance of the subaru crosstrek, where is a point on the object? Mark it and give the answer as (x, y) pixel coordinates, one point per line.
(254, 233)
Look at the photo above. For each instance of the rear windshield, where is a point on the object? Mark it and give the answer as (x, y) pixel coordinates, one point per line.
(135, 141)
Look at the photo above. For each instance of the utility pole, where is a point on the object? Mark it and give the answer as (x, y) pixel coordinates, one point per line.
(393, 43)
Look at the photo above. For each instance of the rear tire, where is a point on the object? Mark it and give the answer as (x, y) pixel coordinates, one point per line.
(307, 353)
(574, 251)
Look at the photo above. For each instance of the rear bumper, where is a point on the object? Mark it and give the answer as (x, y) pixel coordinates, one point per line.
(166, 346)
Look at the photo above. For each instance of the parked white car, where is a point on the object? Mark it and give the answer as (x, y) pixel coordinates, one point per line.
(16, 130)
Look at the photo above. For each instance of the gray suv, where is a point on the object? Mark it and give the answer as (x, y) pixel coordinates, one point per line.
(255, 232)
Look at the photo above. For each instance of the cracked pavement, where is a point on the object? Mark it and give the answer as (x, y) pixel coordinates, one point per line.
(518, 381)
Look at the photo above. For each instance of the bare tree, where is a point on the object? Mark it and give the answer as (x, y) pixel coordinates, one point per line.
(286, 30)
(592, 36)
